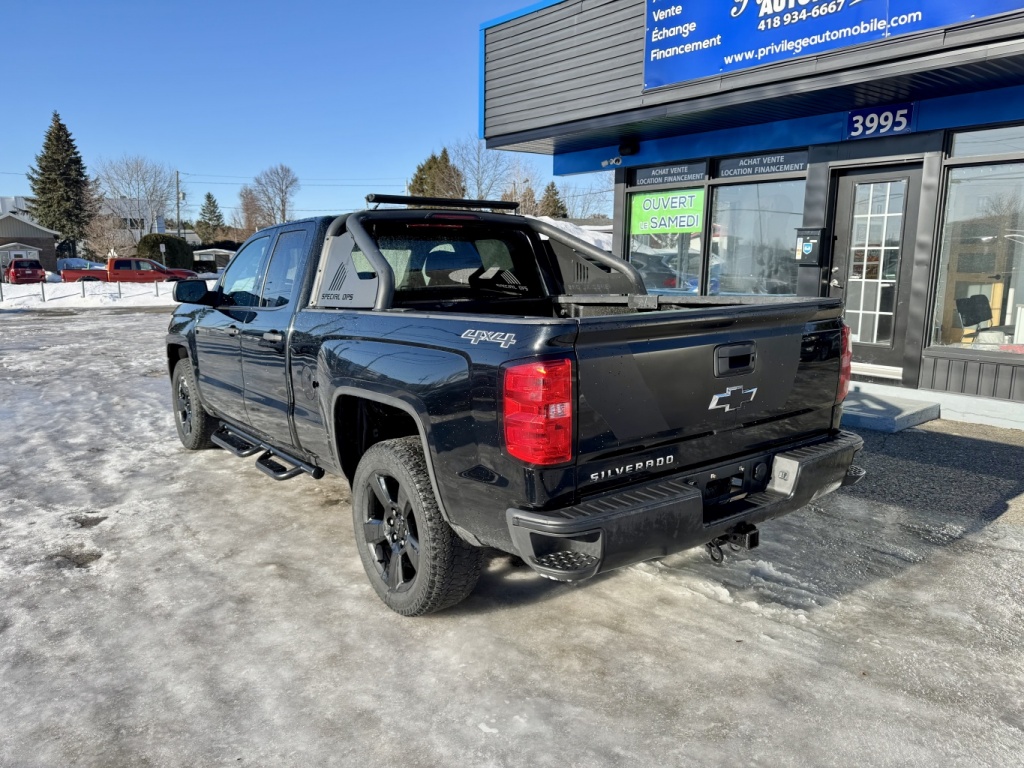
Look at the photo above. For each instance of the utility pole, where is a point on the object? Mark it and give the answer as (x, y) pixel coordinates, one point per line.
(177, 200)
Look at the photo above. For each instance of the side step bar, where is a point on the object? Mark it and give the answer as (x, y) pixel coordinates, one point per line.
(241, 444)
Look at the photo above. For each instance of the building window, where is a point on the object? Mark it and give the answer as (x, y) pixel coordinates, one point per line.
(665, 230)
(753, 238)
(980, 290)
(995, 141)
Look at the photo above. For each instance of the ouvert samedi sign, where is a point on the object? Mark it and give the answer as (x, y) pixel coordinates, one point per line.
(690, 39)
(666, 213)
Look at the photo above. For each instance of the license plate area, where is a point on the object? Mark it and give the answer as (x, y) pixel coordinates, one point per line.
(722, 487)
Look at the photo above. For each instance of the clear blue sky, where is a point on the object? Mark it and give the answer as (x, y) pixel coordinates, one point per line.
(351, 93)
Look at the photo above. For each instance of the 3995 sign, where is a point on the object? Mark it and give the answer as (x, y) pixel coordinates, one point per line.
(880, 121)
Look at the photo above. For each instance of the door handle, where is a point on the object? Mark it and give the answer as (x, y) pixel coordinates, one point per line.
(274, 337)
(232, 330)
(835, 284)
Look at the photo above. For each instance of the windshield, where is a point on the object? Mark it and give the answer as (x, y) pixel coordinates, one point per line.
(22, 264)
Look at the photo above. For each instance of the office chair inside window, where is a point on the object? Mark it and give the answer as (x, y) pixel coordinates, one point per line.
(974, 310)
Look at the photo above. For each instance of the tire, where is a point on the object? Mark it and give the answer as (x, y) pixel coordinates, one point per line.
(194, 424)
(414, 560)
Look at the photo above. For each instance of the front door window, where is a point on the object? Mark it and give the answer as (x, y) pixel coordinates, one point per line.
(874, 260)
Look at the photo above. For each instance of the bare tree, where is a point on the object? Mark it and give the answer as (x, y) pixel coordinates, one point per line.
(519, 186)
(487, 172)
(137, 191)
(105, 235)
(589, 199)
(251, 214)
(274, 191)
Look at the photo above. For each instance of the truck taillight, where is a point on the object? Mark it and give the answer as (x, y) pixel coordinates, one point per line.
(845, 365)
(537, 410)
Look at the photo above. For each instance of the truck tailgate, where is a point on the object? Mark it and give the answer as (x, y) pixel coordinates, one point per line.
(662, 391)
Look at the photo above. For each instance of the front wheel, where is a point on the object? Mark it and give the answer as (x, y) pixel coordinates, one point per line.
(194, 424)
(414, 560)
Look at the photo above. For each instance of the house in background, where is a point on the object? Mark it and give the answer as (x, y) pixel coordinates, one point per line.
(21, 238)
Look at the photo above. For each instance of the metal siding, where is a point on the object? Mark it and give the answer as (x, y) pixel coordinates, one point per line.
(1004, 382)
(955, 383)
(972, 377)
(984, 378)
(570, 61)
(1017, 391)
(987, 381)
(927, 380)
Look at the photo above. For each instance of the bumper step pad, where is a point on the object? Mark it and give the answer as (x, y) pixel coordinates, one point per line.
(566, 562)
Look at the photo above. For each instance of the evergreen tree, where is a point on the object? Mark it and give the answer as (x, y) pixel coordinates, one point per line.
(211, 220)
(551, 203)
(62, 198)
(437, 176)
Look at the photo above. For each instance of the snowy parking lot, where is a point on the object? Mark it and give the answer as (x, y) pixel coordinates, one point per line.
(167, 608)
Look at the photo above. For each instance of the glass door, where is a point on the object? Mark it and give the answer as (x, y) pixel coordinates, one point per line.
(876, 218)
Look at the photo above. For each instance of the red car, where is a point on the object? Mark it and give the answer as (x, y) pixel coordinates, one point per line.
(25, 271)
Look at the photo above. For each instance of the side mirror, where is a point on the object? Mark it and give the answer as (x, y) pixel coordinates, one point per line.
(192, 292)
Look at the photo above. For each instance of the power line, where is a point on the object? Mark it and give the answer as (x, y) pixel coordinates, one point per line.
(341, 178)
(200, 182)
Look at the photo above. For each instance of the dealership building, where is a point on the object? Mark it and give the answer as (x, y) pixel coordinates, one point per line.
(871, 150)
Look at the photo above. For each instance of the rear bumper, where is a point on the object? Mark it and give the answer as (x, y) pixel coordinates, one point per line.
(667, 515)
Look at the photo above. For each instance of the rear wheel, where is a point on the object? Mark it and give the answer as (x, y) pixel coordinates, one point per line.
(194, 424)
(414, 560)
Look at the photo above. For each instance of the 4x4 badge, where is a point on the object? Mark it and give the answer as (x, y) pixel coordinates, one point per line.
(733, 399)
(505, 339)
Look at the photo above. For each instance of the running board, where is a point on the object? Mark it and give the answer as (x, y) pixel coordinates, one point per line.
(273, 462)
(233, 443)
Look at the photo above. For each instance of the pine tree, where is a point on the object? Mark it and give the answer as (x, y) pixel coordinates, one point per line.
(61, 194)
(551, 203)
(437, 176)
(211, 220)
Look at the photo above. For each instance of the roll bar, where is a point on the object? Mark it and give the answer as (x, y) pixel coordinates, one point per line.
(591, 251)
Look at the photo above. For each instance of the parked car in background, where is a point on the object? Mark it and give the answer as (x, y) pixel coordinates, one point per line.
(128, 271)
(24, 271)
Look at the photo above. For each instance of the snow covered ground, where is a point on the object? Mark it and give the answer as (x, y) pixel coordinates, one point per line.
(166, 608)
(88, 294)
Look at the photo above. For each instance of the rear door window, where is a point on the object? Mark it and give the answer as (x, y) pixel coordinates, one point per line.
(283, 273)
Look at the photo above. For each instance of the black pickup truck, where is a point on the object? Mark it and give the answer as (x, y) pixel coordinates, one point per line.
(484, 379)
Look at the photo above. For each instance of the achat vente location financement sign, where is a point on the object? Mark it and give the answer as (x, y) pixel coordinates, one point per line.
(691, 39)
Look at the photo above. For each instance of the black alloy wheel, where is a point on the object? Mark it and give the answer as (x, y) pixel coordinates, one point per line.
(414, 560)
(391, 532)
(194, 424)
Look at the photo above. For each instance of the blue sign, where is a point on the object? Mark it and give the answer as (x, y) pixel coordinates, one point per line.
(880, 121)
(690, 39)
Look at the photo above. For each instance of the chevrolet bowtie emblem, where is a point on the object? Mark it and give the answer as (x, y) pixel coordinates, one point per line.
(733, 399)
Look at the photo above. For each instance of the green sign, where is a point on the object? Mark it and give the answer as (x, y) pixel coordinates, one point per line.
(667, 213)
